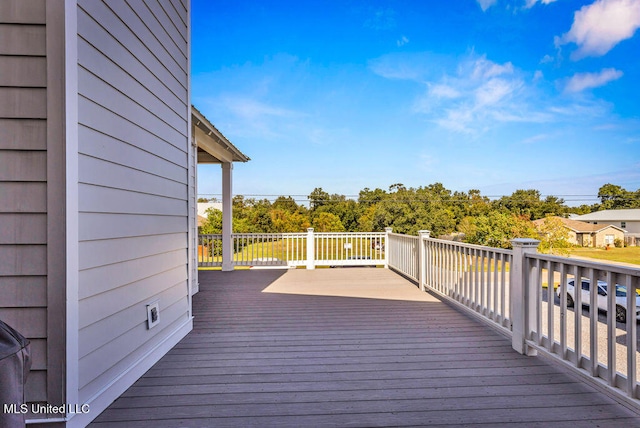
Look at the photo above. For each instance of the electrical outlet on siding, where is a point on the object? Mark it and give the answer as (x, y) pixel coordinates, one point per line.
(153, 314)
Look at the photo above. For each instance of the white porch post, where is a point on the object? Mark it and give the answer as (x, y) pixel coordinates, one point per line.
(522, 291)
(387, 247)
(227, 216)
(311, 246)
(422, 259)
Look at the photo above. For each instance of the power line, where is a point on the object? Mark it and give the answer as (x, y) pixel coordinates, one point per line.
(392, 196)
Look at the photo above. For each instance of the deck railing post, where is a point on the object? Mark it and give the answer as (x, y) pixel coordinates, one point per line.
(387, 247)
(422, 258)
(311, 246)
(522, 295)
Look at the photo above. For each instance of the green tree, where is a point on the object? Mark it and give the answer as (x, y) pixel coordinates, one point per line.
(497, 229)
(521, 202)
(286, 203)
(554, 236)
(470, 204)
(288, 222)
(213, 222)
(368, 197)
(327, 222)
(366, 219)
(258, 216)
(318, 198)
(347, 210)
(614, 197)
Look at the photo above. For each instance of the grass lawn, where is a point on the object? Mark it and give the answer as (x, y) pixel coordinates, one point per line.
(625, 255)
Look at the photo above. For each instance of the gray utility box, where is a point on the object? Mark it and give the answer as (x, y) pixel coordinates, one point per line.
(15, 362)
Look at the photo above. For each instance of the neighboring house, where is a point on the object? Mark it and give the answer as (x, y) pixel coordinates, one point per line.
(589, 235)
(201, 221)
(627, 219)
(98, 152)
(204, 206)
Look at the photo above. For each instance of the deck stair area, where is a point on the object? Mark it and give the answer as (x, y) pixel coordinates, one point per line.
(350, 347)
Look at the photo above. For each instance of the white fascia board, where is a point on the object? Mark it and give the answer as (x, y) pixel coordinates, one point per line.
(211, 146)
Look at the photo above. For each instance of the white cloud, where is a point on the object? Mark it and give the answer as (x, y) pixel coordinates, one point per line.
(252, 109)
(480, 94)
(491, 93)
(403, 41)
(530, 3)
(546, 59)
(536, 138)
(473, 94)
(538, 75)
(598, 27)
(483, 68)
(581, 81)
(409, 66)
(443, 91)
(486, 4)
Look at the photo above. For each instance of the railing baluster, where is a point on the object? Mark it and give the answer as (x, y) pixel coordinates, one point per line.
(593, 325)
(611, 326)
(563, 314)
(551, 306)
(577, 332)
(631, 335)
(550, 298)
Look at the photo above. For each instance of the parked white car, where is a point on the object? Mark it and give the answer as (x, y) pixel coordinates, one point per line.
(621, 297)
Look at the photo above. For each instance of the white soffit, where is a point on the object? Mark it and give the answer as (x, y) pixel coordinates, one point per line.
(210, 140)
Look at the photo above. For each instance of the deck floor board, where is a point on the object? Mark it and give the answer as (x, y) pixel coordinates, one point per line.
(348, 347)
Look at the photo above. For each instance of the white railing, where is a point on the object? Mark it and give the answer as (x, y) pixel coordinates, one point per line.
(592, 341)
(402, 255)
(296, 249)
(514, 290)
(475, 276)
(210, 250)
(349, 249)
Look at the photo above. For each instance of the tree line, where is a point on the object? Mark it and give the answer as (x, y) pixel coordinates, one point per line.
(468, 216)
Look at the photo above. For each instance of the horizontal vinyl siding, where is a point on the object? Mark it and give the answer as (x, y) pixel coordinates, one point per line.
(23, 291)
(23, 134)
(25, 71)
(105, 121)
(96, 371)
(23, 180)
(23, 11)
(23, 228)
(133, 190)
(105, 252)
(95, 336)
(19, 39)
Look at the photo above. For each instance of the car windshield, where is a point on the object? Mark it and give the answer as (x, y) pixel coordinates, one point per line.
(621, 290)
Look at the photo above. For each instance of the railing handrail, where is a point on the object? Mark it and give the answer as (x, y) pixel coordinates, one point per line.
(587, 264)
(467, 245)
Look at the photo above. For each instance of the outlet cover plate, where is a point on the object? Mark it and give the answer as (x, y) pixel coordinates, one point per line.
(153, 314)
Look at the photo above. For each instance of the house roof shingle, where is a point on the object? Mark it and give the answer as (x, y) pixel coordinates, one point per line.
(612, 215)
(579, 226)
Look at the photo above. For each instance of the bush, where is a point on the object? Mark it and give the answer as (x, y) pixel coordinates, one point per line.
(619, 243)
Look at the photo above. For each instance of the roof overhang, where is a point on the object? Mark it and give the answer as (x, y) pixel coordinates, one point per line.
(213, 147)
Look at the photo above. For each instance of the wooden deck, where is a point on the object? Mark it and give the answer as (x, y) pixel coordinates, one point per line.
(349, 347)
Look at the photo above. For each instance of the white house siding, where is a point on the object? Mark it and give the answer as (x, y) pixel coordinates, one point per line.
(133, 192)
(23, 181)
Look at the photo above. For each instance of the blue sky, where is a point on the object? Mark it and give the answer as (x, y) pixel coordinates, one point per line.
(493, 95)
